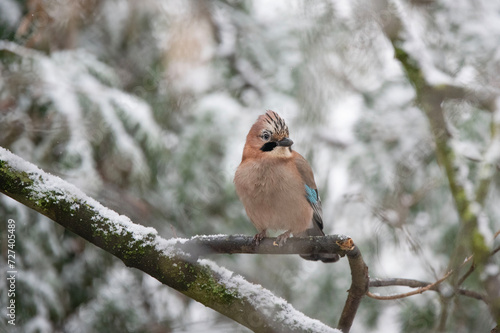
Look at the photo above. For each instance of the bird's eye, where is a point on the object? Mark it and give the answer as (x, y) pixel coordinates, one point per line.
(266, 136)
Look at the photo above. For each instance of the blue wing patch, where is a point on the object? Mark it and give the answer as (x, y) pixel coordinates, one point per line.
(311, 195)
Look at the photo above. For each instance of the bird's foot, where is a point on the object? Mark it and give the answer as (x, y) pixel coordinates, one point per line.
(258, 237)
(281, 239)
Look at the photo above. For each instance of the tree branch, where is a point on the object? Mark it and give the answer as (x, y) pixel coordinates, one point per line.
(343, 245)
(166, 260)
(232, 244)
(411, 293)
(416, 284)
(424, 286)
(359, 287)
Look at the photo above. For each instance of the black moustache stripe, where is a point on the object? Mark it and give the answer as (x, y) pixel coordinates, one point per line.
(268, 146)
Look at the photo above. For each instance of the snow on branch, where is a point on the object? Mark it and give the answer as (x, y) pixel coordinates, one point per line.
(203, 245)
(173, 262)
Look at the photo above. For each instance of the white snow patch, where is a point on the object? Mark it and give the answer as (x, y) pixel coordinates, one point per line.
(10, 12)
(484, 228)
(492, 154)
(265, 301)
(46, 184)
(343, 9)
(389, 320)
(269, 11)
(467, 149)
(491, 270)
(169, 246)
(414, 44)
(466, 76)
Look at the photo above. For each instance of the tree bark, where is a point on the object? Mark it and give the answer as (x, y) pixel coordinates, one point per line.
(359, 287)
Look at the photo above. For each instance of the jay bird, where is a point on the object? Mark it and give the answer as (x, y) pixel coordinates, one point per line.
(276, 185)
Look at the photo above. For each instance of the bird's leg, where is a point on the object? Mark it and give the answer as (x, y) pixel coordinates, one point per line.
(260, 236)
(281, 239)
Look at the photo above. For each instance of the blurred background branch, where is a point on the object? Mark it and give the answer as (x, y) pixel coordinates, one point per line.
(417, 284)
(430, 97)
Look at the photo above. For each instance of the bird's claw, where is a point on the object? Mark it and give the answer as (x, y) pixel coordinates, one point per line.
(281, 239)
(258, 237)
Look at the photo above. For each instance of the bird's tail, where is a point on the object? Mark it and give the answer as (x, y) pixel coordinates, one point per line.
(324, 257)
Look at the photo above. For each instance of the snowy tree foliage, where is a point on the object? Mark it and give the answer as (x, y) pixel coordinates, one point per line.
(145, 105)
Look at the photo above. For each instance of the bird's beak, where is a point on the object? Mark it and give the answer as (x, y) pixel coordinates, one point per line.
(286, 142)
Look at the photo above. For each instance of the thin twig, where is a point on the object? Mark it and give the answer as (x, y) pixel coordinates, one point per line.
(496, 234)
(414, 283)
(398, 282)
(411, 293)
(472, 294)
(467, 274)
(473, 266)
(420, 284)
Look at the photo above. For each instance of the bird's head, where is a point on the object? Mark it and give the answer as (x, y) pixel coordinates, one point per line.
(268, 137)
